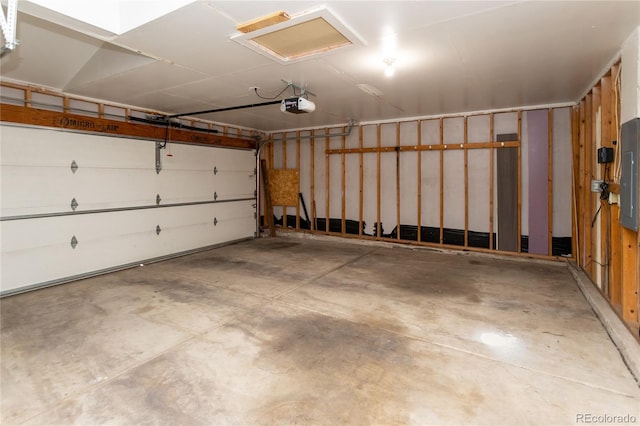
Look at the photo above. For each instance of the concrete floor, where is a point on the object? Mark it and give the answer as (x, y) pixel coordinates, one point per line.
(312, 331)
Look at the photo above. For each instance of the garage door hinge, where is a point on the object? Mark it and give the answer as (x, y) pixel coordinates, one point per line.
(215, 170)
(215, 221)
(158, 199)
(158, 230)
(215, 196)
(74, 242)
(74, 204)
(74, 166)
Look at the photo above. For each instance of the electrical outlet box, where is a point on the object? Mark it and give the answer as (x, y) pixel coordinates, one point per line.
(605, 155)
(629, 174)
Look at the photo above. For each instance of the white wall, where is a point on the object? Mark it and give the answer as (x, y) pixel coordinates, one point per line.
(630, 92)
(114, 175)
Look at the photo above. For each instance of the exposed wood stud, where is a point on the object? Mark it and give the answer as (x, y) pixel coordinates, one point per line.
(588, 200)
(550, 183)
(378, 142)
(398, 181)
(575, 144)
(327, 180)
(419, 177)
(491, 171)
(442, 181)
(313, 180)
(361, 183)
(343, 222)
(439, 147)
(582, 229)
(298, 168)
(283, 135)
(466, 185)
(519, 246)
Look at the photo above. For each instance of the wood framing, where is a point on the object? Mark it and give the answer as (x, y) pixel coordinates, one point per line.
(361, 183)
(398, 187)
(519, 246)
(343, 199)
(466, 185)
(312, 166)
(378, 214)
(491, 171)
(327, 181)
(298, 168)
(61, 120)
(419, 177)
(441, 180)
(550, 183)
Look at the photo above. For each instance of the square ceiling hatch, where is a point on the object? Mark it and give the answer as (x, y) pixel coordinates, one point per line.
(309, 34)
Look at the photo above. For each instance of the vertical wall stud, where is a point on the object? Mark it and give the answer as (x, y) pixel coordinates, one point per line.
(519, 246)
(419, 152)
(378, 226)
(491, 166)
(550, 184)
(588, 200)
(398, 181)
(361, 180)
(298, 168)
(582, 189)
(442, 181)
(284, 166)
(575, 151)
(327, 180)
(313, 180)
(466, 184)
(343, 177)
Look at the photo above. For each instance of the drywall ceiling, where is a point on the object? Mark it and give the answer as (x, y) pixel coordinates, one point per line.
(451, 57)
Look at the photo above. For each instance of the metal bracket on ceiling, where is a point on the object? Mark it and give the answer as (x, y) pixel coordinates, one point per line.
(8, 26)
(159, 146)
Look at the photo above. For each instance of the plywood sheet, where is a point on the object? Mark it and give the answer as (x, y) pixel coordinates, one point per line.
(283, 184)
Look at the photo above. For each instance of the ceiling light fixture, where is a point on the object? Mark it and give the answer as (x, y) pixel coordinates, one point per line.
(389, 70)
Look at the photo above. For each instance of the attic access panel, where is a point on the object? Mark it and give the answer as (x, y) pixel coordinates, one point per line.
(305, 35)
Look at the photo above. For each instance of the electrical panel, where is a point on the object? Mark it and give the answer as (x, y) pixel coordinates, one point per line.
(629, 175)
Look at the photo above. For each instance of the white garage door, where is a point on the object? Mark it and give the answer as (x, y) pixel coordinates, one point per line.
(76, 204)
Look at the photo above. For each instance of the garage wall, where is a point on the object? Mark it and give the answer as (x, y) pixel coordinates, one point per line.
(431, 180)
(126, 212)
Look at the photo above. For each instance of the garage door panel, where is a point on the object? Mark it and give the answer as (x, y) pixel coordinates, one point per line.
(117, 220)
(47, 147)
(235, 184)
(40, 250)
(181, 186)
